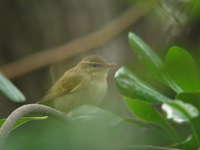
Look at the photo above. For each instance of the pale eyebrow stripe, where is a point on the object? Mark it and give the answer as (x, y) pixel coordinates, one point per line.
(87, 62)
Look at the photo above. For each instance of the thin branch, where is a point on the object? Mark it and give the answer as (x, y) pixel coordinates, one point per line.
(22, 111)
(77, 46)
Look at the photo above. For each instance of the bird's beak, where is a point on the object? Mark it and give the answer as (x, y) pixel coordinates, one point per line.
(112, 65)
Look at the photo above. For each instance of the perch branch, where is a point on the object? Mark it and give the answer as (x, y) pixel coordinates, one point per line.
(77, 46)
(23, 111)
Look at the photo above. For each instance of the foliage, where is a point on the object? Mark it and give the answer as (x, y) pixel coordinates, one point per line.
(180, 72)
(155, 111)
(8, 89)
(23, 120)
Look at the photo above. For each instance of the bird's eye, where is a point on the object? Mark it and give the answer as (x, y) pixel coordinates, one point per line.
(95, 65)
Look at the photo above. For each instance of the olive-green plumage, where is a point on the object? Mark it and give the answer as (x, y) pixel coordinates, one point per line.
(86, 83)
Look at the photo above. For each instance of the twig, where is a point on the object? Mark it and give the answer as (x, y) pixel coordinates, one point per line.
(23, 111)
(80, 45)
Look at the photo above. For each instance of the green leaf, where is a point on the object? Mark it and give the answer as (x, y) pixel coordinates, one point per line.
(148, 147)
(188, 143)
(9, 90)
(151, 60)
(89, 112)
(24, 120)
(182, 69)
(195, 10)
(184, 112)
(131, 86)
(190, 97)
(144, 51)
(103, 129)
(147, 112)
(180, 111)
(194, 99)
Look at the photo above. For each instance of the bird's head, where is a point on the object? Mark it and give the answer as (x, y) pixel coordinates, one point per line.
(95, 65)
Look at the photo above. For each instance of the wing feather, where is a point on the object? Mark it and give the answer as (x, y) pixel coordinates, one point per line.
(70, 82)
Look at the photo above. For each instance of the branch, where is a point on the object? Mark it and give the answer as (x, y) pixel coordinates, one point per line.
(23, 111)
(77, 46)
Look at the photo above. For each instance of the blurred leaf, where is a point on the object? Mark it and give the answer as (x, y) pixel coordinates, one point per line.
(140, 123)
(92, 114)
(182, 69)
(180, 111)
(89, 112)
(148, 113)
(151, 60)
(8, 89)
(23, 120)
(195, 10)
(187, 144)
(87, 127)
(131, 86)
(194, 99)
(190, 97)
(148, 147)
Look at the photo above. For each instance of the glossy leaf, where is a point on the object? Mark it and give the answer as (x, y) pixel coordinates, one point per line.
(24, 120)
(144, 52)
(180, 111)
(147, 112)
(190, 97)
(184, 112)
(194, 99)
(153, 62)
(131, 86)
(9, 90)
(182, 69)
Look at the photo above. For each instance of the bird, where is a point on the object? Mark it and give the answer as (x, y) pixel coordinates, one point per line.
(85, 83)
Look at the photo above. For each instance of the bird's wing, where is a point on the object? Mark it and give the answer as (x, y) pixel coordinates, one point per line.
(70, 82)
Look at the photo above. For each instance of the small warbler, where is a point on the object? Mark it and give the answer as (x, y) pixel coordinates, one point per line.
(86, 83)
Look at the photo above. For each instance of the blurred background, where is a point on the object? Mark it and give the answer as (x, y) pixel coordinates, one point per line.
(32, 27)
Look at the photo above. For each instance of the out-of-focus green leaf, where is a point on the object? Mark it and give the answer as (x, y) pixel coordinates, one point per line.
(8, 89)
(87, 127)
(195, 10)
(182, 69)
(23, 120)
(131, 86)
(187, 144)
(180, 111)
(194, 99)
(151, 60)
(89, 112)
(147, 112)
(190, 97)
(148, 147)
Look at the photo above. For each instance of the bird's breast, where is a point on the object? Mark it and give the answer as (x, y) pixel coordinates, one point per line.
(97, 90)
(89, 94)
